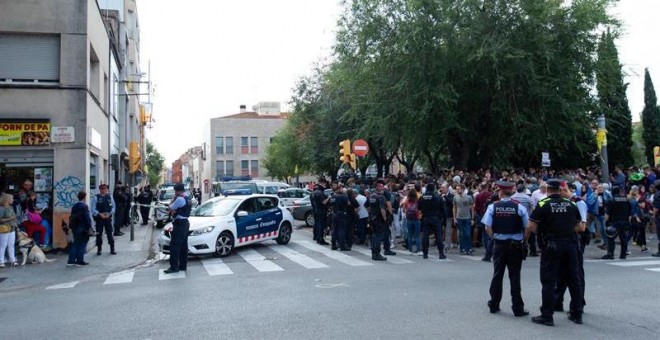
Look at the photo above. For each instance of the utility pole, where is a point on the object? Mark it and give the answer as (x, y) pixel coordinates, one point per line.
(601, 139)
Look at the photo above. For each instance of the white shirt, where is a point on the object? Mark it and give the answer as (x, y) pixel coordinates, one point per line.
(537, 195)
(362, 211)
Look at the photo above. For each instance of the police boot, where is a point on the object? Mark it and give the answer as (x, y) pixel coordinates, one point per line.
(112, 249)
(658, 253)
(376, 256)
(442, 255)
(98, 249)
(389, 252)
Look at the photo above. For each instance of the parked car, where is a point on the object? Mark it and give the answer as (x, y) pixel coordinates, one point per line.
(271, 188)
(227, 222)
(301, 210)
(288, 196)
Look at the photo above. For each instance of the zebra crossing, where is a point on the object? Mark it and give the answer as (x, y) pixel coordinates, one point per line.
(263, 259)
(651, 264)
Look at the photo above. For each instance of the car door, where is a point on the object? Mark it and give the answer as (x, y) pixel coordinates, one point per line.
(269, 216)
(246, 226)
(287, 197)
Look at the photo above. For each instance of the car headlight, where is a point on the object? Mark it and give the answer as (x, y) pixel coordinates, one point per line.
(202, 231)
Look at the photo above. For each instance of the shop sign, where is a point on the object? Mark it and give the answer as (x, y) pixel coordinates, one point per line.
(62, 134)
(24, 132)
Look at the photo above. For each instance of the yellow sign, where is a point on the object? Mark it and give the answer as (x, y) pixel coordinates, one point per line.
(656, 155)
(601, 138)
(18, 133)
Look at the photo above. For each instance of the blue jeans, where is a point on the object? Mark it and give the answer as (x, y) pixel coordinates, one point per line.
(464, 234)
(78, 248)
(49, 232)
(600, 224)
(413, 234)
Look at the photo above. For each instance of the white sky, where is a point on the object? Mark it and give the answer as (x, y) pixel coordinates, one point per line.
(210, 56)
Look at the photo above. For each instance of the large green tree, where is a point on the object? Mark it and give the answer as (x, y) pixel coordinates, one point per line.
(155, 163)
(650, 118)
(613, 103)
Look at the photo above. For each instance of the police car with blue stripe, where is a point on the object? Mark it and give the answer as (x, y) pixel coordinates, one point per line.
(226, 222)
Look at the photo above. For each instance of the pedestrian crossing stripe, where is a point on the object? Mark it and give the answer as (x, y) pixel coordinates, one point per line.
(63, 285)
(391, 259)
(258, 261)
(634, 263)
(120, 277)
(170, 276)
(298, 258)
(343, 258)
(216, 267)
(653, 269)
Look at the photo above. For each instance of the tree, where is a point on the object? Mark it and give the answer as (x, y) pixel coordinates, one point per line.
(154, 164)
(613, 103)
(650, 119)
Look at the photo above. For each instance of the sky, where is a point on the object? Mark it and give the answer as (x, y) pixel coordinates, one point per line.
(208, 57)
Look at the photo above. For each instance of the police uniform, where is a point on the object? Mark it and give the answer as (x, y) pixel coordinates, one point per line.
(506, 220)
(619, 210)
(584, 238)
(180, 228)
(556, 218)
(656, 213)
(433, 213)
(103, 204)
(340, 205)
(320, 214)
(376, 202)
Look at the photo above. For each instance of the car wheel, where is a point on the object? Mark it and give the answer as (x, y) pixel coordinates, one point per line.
(224, 244)
(285, 233)
(309, 219)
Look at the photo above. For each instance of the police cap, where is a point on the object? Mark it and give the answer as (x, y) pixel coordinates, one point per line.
(179, 187)
(554, 184)
(503, 185)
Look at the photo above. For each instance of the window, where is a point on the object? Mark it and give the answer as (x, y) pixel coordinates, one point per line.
(29, 58)
(219, 145)
(229, 170)
(245, 168)
(219, 168)
(229, 147)
(254, 145)
(266, 203)
(255, 168)
(244, 145)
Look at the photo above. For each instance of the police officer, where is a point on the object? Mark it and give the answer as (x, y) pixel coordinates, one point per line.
(656, 213)
(377, 219)
(556, 220)
(505, 222)
(319, 206)
(619, 213)
(144, 199)
(433, 213)
(119, 197)
(584, 237)
(339, 204)
(103, 207)
(180, 209)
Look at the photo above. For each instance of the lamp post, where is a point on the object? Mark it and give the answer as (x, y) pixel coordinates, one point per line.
(601, 140)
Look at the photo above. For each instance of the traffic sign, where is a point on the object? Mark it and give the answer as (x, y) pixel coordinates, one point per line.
(360, 148)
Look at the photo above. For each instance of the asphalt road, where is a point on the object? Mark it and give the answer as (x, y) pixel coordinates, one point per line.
(300, 292)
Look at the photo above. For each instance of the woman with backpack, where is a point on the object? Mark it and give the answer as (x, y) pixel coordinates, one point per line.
(410, 208)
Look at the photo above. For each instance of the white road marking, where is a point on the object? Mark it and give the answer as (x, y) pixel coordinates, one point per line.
(120, 277)
(634, 263)
(177, 275)
(391, 259)
(216, 267)
(333, 254)
(653, 269)
(258, 261)
(64, 285)
(471, 257)
(298, 258)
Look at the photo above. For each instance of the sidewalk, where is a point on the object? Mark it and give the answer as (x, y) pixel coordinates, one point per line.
(129, 254)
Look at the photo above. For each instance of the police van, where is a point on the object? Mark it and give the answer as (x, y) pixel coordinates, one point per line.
(227, 222)
(234, 186)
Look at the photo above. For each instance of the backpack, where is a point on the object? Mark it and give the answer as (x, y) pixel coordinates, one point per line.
(396, 202)
(412, 211)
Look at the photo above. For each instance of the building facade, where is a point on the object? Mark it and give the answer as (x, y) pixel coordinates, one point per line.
(64, 107)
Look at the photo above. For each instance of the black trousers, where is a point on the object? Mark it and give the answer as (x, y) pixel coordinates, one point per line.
(432, 225)
(562, 279)
(179, 244)
(339, 220)
(560, 256)
(102, 225)
(507, 255)
(622, 230)
(144, 211)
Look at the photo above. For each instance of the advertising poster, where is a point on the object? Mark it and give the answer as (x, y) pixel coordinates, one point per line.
(43, 179)
(24, 132)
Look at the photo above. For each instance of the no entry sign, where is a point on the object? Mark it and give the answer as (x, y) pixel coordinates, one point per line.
(360, 148)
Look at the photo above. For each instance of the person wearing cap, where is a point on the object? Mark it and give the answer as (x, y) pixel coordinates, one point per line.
(103, 207)
(505, 222)
(180, 208)
(619, 212)
(556, 221)
(377, 219)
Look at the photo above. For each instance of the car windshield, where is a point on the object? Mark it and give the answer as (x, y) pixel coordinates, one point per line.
(220, 207)
(166, 195)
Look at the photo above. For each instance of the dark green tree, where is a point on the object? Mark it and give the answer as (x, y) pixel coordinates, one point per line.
(154, 164)
(613, 103)
(650, 119)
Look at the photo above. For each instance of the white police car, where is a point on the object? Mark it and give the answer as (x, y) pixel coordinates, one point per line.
(223, 223)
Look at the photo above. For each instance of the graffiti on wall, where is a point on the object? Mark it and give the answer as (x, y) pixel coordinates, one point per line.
(66, 191)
